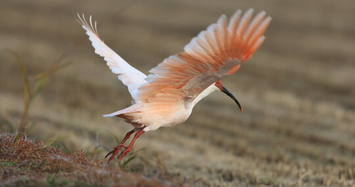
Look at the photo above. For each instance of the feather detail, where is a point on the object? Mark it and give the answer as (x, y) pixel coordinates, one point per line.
(129, 76)
(214, 54)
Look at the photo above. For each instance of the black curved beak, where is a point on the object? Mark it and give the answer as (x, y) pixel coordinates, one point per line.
(232, 96)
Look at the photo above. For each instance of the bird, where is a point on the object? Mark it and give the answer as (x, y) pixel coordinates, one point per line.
(167, 95)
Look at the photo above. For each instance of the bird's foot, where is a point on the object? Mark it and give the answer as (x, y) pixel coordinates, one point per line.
(127, 149)
(114, 152)
(124, 153)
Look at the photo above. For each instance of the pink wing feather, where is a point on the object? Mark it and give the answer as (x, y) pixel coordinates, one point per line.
(129, 76)
(214, 54)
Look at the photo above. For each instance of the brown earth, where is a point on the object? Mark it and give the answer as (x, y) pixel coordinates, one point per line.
(32, 163)
(297, 91)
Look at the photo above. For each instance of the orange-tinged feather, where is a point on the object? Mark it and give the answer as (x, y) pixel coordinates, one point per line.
(205, 59)
(234, 69)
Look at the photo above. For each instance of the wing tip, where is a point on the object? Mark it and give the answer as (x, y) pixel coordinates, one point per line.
(89, 26)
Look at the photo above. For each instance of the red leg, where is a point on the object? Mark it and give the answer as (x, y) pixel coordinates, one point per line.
(117, 149)
(128, 149)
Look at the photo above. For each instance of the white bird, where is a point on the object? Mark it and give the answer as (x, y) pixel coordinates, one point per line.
(168, 94)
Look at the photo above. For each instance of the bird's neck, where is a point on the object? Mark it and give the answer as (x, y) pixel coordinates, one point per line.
(204, 93)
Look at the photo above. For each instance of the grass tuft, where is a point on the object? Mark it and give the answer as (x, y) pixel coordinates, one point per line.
(43, 165)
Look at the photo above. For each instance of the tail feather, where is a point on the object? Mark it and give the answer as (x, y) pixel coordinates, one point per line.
(131, 109)
(130, 115)
(113, 114)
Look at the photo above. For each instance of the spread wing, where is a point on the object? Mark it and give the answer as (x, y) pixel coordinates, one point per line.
(129, 76)
(215, 53)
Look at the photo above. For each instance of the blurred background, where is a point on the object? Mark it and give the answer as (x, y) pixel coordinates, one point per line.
(297, 90)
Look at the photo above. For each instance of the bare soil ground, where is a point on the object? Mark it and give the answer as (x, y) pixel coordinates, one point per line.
(298, 128)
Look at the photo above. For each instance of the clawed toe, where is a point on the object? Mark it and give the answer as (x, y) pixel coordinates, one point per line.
(114, 152)
(123, 154)
(127, 149)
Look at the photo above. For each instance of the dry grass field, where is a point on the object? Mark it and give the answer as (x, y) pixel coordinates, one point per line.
(298, 90)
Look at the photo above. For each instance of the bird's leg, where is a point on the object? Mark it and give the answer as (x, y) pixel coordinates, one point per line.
(117, 148)
(128, 149)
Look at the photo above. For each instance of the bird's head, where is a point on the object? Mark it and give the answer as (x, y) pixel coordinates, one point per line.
(223, 89)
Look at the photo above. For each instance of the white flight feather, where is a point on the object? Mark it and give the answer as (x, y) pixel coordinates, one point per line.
(129, 76)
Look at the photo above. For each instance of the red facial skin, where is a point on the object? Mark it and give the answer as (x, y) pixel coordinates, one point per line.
(218, 84)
